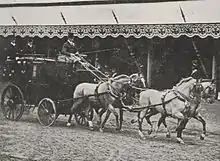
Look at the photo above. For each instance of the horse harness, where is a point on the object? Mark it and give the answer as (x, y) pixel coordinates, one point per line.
(210, 90)
(110, 91)
(178, 95)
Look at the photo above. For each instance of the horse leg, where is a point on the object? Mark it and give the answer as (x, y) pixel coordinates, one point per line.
(111, 109)
(89, 119)
(168, 133)
(150, 123)
(147, 117)
(180, 126)
(141, 116)
(103, 123)
(121, 118)
(73, 109)
(99, 115)
(69, 120)
(162, 119)
(200, 119)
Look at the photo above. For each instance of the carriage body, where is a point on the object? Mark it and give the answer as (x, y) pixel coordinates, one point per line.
(34, 81)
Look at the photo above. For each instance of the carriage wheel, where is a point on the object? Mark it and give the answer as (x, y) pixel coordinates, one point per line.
(47, 113)
(81, 117)
(12, 102)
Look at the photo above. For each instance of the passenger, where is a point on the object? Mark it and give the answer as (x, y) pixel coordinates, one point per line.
(12, 49)
(30, 48)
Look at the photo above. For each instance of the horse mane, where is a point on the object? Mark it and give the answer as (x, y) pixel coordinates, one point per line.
(184, 80)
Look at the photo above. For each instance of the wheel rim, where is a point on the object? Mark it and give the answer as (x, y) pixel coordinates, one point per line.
(12, 103)
(47, 112)
(81, 118)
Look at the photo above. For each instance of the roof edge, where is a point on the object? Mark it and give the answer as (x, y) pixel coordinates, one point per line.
(84, 2)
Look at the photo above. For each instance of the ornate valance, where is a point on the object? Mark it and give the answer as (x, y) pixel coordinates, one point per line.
(139, 30)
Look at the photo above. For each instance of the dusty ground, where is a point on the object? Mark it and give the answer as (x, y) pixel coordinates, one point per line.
(28, 140)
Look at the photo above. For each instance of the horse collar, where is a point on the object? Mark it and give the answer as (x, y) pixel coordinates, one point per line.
(182, 96)
(112, 93)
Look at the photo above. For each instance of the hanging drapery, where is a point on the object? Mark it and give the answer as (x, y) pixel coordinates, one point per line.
(138, 20)
(148, 31)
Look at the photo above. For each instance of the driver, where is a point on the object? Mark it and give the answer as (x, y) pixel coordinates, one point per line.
(196, 71)
(69, 50)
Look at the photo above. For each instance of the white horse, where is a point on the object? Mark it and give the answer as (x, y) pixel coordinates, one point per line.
(102, 96)
(208, 96)
(176, 103)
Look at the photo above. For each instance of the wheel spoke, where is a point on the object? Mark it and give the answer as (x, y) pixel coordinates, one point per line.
(10, 91)
(12, 102)
(7, 112)
(12, 113)
(9, 115)
(46, 112)
(18, 110)
(8, 95)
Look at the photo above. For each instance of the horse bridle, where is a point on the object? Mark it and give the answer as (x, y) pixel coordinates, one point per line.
(210, 89)
(112, 90)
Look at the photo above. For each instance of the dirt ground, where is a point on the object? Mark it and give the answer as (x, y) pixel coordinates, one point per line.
(27, 140)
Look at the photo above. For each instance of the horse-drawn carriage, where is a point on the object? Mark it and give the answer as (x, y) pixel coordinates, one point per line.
(45, 83)
(57, 87)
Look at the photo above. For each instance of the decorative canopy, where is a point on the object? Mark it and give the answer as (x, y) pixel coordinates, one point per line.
(141, 19)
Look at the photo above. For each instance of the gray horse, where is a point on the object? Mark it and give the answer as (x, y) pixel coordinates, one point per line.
(176, 103)
(208, 92)
(102, 96)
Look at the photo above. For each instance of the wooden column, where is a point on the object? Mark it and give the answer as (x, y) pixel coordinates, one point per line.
(213, 67)
(149, 67)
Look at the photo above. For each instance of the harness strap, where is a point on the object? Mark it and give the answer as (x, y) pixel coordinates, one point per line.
(97, 94)
(112, 93)
(163, 101)
(96, 90)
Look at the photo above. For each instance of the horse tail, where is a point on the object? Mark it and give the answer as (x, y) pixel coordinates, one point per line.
(134, 120)
(79, 91)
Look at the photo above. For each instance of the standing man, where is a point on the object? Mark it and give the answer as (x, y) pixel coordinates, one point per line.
(29, 49)
(196, 69)
(12, 49)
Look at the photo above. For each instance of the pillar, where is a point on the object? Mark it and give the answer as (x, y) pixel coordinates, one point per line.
(213, 67)
(149, 67)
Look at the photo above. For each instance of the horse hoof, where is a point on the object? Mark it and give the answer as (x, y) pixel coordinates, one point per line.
(179, 140)
(118, 129)
(150, 132)
(202, 136)
(143, 138)
(101, 130)
(168, 135)
(91, 128)
(68, 124)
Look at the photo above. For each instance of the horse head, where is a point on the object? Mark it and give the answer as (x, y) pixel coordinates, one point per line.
(120, 84)
(209, 91)
(138, 80)
(190, 88)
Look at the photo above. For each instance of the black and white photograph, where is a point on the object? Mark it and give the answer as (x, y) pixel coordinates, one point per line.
(109, 80)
